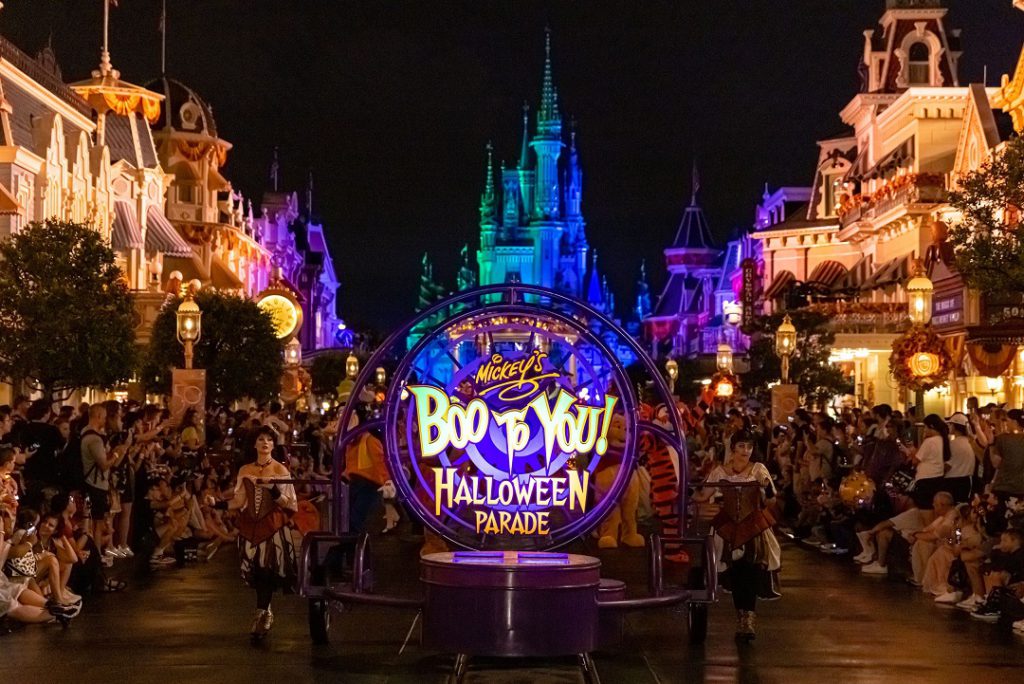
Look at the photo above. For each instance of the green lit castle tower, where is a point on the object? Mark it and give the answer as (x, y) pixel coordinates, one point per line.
(531, 226)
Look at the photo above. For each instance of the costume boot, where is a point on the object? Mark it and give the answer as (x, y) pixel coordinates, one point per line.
(745, 625)
(261, 625)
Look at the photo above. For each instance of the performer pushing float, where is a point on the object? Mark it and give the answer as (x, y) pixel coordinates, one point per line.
(264, 541)
(751, 551)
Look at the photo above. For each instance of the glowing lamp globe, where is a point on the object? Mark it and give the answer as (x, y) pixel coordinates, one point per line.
(381, 376)
(672, 369)
(919, 298)
(785, 337)
(732, 312)
(190, 320)
(293, 352)
(724, 389)
(724, 357)
(351, 366)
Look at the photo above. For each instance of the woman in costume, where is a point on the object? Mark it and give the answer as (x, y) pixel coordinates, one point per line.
(264, 539)
(743, 521)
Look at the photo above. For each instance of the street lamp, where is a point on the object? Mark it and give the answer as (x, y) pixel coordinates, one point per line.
(382, 375)
(351, 366)
(785, 343)
(190, 329)
(672, 372)
(293, 353)
(919, 297)
(919, 305)
(724, 357)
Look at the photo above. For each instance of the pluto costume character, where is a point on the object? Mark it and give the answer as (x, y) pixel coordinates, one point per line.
(622, 517)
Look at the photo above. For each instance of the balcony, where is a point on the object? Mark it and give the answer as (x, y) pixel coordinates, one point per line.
(914, 188)
(863, 317)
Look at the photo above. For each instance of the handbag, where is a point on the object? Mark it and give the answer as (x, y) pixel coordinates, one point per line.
(901, 480)
(957, 577)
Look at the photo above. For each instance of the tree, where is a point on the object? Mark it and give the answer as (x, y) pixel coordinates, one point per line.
(809, 368)
(988, 244)
(327, 371)
(66, 316)
(238, 349)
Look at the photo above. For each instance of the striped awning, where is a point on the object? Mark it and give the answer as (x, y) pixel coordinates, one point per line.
(161, 236)
(856, 275)
(827, 273)
(782, 282)
(127, 234)
(894, 271)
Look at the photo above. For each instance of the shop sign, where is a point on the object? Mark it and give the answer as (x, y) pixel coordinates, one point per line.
(748, 294)
(948, 311)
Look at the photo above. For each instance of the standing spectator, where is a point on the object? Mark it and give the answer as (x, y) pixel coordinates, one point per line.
(97, 463)
(8, 492)
(1008, 459)
(276, 423)
(963, 459)
(41, 442)
(930, 459)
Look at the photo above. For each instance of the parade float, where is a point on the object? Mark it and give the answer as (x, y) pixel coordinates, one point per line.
(512, 427)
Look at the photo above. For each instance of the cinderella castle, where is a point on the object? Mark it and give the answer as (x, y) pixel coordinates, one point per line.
(533, 231)
(532, 228)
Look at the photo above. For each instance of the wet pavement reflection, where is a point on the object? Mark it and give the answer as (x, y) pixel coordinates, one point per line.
(832, 625)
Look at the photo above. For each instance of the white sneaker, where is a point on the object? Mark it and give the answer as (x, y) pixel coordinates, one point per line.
(126, 552)
(874, 569)
(971, 602)
(71, 596)
(864, 558)
(868, 544)
(949, 597)
(112, 552)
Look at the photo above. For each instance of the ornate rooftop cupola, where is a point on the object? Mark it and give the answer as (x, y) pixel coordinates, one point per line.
(915, 48)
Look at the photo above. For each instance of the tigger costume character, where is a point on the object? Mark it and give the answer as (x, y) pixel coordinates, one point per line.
(664, 485)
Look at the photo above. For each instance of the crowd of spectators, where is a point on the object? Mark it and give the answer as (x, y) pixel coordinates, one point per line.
(84, 489)
(938, 503)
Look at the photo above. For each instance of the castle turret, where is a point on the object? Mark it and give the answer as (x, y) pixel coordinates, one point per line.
(527, 176)
(488, 221)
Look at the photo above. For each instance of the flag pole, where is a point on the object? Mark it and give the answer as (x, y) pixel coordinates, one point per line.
(163, 39)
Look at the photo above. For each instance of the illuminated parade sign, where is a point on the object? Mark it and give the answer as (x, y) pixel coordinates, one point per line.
(502, 419)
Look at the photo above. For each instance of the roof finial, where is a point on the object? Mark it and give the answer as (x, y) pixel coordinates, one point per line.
(572, 134)
(275, 170)
(695, 179)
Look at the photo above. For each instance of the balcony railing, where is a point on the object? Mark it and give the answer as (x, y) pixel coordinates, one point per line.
(900, 191)
(863, 317)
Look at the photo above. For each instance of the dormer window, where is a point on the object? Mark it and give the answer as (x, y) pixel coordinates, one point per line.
(919, 65)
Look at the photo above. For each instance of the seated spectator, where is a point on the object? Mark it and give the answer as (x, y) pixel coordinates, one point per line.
(966, 537)
(25, 566)
(911, 526)
(9, 493)
(1004, 567)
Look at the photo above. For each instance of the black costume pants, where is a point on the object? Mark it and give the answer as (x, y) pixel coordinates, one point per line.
(744, 576)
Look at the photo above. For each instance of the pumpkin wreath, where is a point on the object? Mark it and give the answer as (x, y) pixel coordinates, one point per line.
(919, 359)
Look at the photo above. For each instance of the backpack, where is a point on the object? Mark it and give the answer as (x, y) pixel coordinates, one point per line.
(70, 468)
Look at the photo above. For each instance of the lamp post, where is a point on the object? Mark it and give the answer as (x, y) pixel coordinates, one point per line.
(919, 303)
(785, 343)
(190, 320)
(724, 357)
(672, 373)
(293, 353)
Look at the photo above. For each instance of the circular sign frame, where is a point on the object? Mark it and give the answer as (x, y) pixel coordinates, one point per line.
(554, 421)
(277, 300)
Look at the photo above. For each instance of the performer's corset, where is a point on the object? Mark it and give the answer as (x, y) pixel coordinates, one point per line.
(261, 517)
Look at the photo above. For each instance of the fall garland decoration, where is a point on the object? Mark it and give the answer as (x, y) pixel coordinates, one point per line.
(921, 349)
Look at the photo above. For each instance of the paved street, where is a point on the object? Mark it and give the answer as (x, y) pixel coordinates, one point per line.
(190, 625)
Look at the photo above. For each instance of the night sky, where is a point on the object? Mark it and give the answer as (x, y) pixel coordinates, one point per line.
(391, 104)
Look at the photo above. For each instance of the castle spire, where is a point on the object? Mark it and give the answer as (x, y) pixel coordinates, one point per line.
(695, 181)
(524, 151)
(275, 171)
(487, 200)
(548, 118)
